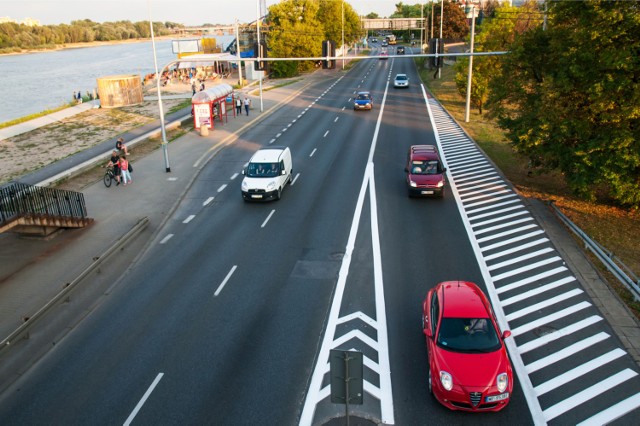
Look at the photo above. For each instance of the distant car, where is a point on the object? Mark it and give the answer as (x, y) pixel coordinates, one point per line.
(384, 55)
(385, 43)
(400, 50)
(401, 80)
(469, 368)
(425, 173)
(374, 40)
(363, 100)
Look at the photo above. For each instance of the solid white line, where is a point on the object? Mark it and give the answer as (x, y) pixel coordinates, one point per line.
(267, 219)
(544, 304)
(614, 412)
(550, 318)
(520, 258)
(189, 218)
(167, 238)
(566, 352)
(143, 400)
(325, 134)
(313, 152)
(579, 371)
(548, 338)
(295, 179)
(536, 291)
(208, 201)
(589, 393)
(222, 188)
(226, 279)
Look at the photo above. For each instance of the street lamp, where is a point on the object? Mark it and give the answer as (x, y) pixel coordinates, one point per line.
(441, 15)
(162, 126)
(342, 49)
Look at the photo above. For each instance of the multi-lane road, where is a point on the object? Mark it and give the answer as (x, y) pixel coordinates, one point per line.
(229, 316)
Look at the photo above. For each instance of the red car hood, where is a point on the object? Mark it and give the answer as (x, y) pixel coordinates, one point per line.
(475, 369)
(426, 179)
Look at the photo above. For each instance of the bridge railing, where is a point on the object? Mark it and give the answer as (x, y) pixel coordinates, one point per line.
(22, 200)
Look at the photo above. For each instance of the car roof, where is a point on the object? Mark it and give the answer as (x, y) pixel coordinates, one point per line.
(462, 299)
(268, 155)
(404, 75)
(363, 93)
(424, 152)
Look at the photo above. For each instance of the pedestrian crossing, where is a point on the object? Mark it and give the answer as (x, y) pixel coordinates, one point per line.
(575, 369)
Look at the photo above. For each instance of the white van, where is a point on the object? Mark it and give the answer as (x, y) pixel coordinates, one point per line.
(269, 170)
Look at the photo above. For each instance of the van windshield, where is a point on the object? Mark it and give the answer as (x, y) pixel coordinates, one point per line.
(263, 170)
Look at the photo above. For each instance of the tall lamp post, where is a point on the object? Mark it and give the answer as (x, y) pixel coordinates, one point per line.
(342, 48)
(441, 15)
(161, 110)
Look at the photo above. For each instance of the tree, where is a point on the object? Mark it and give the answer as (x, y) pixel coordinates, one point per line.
(497, 33)
(454, 22)
(295, 33)
(330, 15)
(569, 97)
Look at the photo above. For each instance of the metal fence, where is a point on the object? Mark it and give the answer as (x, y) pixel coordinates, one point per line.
(22, 200)
(610, 261)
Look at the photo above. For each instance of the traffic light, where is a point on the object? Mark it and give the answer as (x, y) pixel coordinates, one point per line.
(329, 50)
(260, 51)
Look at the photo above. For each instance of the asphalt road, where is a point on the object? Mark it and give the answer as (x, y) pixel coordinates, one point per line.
(228, 317)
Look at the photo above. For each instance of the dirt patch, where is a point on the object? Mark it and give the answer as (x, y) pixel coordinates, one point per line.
(30, 151)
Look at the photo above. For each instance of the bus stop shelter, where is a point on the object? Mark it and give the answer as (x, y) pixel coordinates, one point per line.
(210, 104)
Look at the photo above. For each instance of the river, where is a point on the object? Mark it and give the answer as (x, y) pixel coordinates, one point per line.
(34, 82)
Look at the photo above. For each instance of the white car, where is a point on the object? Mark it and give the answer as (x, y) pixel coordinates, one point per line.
(269, 170)
(401, 80)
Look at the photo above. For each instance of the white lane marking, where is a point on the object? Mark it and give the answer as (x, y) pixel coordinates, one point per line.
(295, 179)
(290, 124)
(267, 219)
(284, 130)
(336, 119)
(222, 188)
(189, 218)
(548, 338)
(544, 304)
(235, 175)
(207, 201)
(272, 141)
(278, 135)
(512, 240)
(167, 238)
(517, 249)
(536, 291)
(518, 259)
(614, 412)
(134, 413)
(343, 108)
(579, 371)
(313, 152)
(549, 318)
(589, 393)
(566, 352)
(172, 179)
(325, 134)
(527, 268)
(224, 282)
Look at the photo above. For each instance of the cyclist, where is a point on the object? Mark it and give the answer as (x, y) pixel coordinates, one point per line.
(114, 162)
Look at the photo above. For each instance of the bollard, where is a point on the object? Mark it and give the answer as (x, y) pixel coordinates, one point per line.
(204, 130)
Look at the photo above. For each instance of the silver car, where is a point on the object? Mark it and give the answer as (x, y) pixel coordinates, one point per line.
(401, 80)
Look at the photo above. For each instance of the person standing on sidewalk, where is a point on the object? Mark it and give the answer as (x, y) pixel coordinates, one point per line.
(247, 102)
(238, 106)
(114, 162)
(121, 147)
(124, 170)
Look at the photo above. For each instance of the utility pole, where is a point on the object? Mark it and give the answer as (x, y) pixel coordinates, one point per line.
(440, 40)
(473, 30)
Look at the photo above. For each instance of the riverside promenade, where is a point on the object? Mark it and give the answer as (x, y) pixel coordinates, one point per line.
(33, 271)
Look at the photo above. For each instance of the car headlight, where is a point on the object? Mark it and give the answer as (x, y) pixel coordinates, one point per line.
(441, 184)
(271, 186)
(244, 186)
(446, 380)
(412, 184)
(502, 381)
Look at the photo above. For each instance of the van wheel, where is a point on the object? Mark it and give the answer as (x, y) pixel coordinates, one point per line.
(290, 177)
(279, 194)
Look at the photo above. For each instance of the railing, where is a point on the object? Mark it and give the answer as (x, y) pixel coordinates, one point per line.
(19, 200)
(610, 261)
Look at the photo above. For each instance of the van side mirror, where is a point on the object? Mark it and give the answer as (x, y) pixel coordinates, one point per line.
(244, 172)
(283, 172)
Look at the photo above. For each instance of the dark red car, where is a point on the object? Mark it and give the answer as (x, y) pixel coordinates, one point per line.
(425, 173)
(468, 364)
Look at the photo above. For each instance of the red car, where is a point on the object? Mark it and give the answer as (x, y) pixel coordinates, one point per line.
(469, 368)
(425, 174)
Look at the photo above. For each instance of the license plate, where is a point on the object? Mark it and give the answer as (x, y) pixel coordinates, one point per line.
(427, 192)
(495, 398)
(256, 196)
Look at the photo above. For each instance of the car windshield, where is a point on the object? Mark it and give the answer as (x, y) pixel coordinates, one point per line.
(263, 170)
(468, 335)
(363, 97)
(401, 77)
(429, 167)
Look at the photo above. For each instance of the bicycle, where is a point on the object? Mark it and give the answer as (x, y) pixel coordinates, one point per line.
(109, 177)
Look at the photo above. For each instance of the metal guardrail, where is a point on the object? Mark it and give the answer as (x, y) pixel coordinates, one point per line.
(610, 261)
(23, 200)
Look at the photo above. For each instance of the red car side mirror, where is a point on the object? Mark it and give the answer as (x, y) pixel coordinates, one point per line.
(427, 332)
(506, 334)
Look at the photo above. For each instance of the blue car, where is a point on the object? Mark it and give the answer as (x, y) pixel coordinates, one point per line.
(363, 101)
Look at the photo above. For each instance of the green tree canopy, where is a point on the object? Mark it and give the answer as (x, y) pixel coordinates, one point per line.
(569, 97)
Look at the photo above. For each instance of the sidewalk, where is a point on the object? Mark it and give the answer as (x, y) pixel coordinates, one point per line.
(33, 271)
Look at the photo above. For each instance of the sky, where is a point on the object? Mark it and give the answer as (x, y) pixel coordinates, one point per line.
(189, 12)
